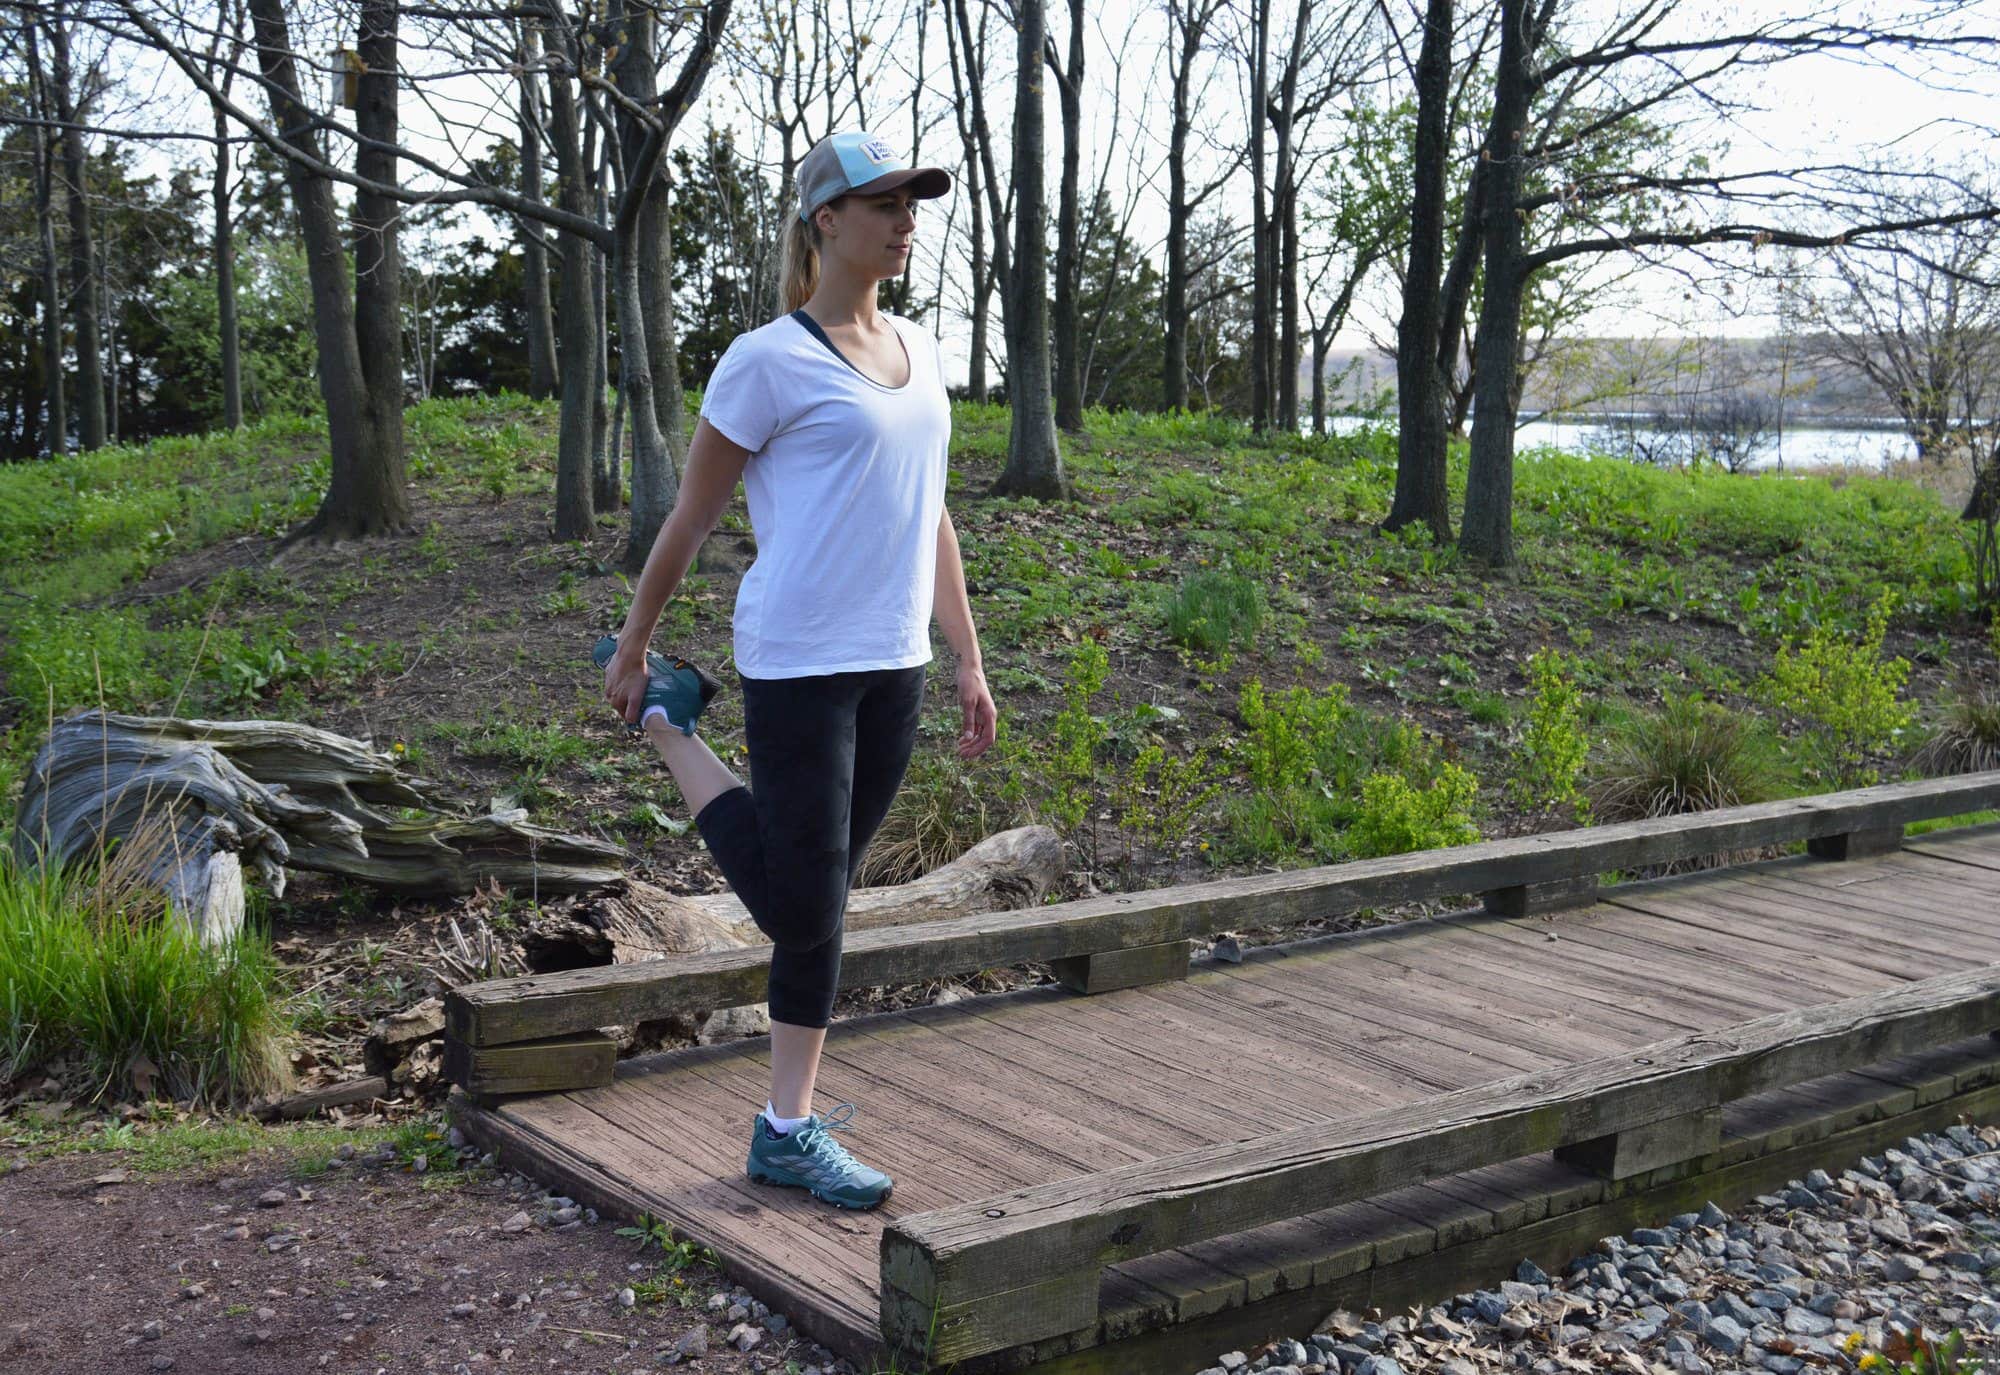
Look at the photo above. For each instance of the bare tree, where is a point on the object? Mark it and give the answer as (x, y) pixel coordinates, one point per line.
(72, 94)
(1034, 462)
(1069, 252)
(1190, 24)
(1922, 323)
(55, 425)
(1634, 68)
(1420, 461)
(540, 312)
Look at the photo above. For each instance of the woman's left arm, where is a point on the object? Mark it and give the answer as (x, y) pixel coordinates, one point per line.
(954, 616)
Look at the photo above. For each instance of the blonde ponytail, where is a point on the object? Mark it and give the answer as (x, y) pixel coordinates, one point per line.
(798, 269)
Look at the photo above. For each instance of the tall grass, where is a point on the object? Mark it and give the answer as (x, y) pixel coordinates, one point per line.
(98, 977)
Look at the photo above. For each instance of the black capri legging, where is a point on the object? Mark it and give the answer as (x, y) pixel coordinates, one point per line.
(827, 754)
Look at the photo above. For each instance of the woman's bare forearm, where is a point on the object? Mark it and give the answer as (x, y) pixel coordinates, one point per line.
(714, 465)
(950, 604)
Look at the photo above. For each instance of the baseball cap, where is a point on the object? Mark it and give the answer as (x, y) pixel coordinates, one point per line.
(858, 161)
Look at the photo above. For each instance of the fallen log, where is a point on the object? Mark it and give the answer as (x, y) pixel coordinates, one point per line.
(641, 921)
(276, 795)
(318, 1100)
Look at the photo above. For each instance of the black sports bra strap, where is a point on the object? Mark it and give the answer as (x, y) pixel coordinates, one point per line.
(812, 328)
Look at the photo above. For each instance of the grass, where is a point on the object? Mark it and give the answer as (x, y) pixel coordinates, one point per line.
(1212, 610)
(1688, 756)
(98, 976)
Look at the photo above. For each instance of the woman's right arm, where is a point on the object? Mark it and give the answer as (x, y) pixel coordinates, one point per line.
(714, 466)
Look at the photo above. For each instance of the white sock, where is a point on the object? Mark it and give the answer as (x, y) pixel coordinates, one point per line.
(783, 1126)
(646, 716)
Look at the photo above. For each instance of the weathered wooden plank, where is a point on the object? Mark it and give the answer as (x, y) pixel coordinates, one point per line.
(545, 1004)
(1648, 1146)
(984, 1251)
(1533, 899)
(1856, 844)
(574, 1061)
(1108, 970)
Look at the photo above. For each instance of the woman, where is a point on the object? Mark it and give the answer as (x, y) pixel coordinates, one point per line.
(836, 419)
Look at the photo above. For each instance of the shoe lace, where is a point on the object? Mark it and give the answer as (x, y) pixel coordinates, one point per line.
(816, 1138)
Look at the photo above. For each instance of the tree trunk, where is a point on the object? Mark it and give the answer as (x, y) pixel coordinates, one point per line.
(534, 253)
(83, 263)
(1459, 277)
(225, 282)
(1260, 224)
(644, 287)
(966, 63)
(1421, 492)
(378, 498)
(1069, 266)
(605, 482)
(1173, 362)
(56, 424)
(1488, 534)
(1034, 463)
(578, 320)
(346, 508)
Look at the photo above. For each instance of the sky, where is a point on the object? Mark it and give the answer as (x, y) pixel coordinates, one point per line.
(1811, 110)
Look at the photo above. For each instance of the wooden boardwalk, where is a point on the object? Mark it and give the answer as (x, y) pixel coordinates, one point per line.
(964, 1101)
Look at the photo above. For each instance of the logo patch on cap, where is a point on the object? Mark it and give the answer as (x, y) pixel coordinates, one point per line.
(876, 151)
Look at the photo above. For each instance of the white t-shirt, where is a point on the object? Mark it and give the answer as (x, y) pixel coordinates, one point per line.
(845, 485)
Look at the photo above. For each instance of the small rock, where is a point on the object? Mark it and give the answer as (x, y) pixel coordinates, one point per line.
(628, 1299)
(271, 1198)
(153, 1330)
(1724, 1334)
(737, 1313)
(1229, 950)
(1527, 1272)
(777, 1324)
(1232, 1361)
(745, 1338)
(464, 1310)
(1712, 1216)
(1380, 1365)
(1900, 1268)
(1803, 1322)
(519, 1222)
(162, 1361)
(693, 1343)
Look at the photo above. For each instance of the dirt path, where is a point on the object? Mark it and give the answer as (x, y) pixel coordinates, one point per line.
(367, 1268)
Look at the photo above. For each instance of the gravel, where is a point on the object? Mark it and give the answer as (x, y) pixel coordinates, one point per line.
(1814, 1275)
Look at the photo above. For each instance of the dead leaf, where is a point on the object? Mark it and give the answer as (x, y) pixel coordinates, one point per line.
(144, 1072)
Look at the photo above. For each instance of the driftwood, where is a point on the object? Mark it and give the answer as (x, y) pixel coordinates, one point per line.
(276, 795)
(393, 1037)
(318, 1100)
(641, 922)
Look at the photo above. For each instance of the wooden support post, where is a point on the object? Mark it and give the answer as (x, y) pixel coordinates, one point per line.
(1114, 969)
(581, 1061)
(1532, 899)
(1639, 1149)
(1876, 840)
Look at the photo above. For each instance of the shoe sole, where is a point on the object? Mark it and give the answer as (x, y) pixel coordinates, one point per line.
(776, 1183)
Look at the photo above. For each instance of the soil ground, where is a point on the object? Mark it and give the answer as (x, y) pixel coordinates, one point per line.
(364, 1268)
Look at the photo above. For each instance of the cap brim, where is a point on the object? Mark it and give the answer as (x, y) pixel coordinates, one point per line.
(925, 183)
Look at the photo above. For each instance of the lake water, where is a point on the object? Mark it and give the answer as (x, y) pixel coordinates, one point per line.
(1799, 447)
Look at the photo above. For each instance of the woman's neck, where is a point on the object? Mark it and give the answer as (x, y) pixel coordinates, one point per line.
(843, 299)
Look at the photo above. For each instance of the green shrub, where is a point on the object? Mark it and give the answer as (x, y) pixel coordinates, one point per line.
(1309, 756)
(1396, 818)
(1690, 756)
(1158, 795)
(97, 973)
(1553, 745)
(1967, 738)
(1212, 610)
(1842, 684)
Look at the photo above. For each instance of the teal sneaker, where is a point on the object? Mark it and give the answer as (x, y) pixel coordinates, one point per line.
(809, 1158)
(680, 690)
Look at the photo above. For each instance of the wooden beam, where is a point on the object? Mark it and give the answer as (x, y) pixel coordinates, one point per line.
(1533, 899)
(1873, 840)
(503, 1010)
(582, 1060)
(1002, 1271)
(1114, 969)
(1648, 1146)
